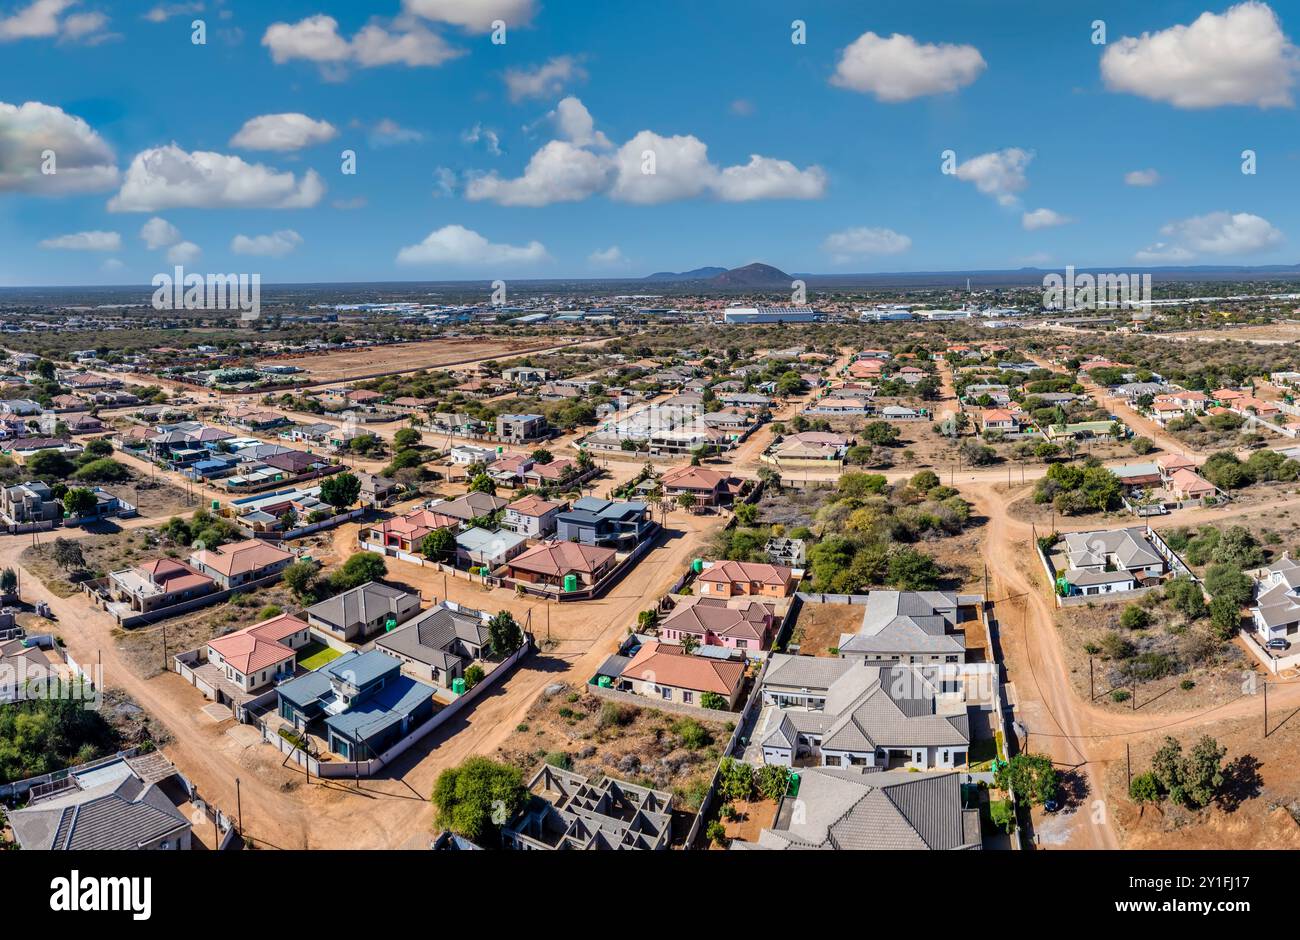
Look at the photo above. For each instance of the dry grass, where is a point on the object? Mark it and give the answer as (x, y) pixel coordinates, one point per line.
(353, 363)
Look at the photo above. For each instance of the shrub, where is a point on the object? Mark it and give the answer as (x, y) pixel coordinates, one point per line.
(1134, 618)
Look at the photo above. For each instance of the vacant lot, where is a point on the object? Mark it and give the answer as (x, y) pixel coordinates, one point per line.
(818, 629)
(599, 738)
(341, 365)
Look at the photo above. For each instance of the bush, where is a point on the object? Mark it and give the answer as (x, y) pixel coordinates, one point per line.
(1144, 788)
(615, 715)
(693, 734)
(1134, 618)
(716, 833)
(1119, 695)
(1003, 815)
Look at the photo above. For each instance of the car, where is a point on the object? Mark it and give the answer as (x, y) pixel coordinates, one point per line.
(1051, 806)
(1278, 644)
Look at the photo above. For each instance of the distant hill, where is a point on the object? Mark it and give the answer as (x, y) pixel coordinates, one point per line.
(699, 274)
(752, 275)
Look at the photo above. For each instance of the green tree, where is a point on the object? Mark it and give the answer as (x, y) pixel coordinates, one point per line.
(439, 545)
(1134, 618)
(50, 465)
(504, 633)
(735, 780)
(406, 438)
(482, 483)
(67, 555)
(299, 576)
(746, 514)
(103, 470)
(8, 580)
(910, 570)
(1031, 776)
(772, 781)
(340, 490)
(477, 798)
(542, 456)
(1144, 788)
(713, 700)
(359, 569)
(690, 643)
(79, 500)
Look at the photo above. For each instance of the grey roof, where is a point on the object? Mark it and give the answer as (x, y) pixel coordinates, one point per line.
(1130, 548)
(122, 813)
(1082, 578)
(470, 506)
(1276, 599)
(360, 605)
(431, 637)
(847, 810)
(907, 622)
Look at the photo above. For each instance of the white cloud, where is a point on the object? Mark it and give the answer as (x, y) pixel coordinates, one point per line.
(169, 177)
(444, 182)
(1163, 251)
(86, 241)
(559, 172)
(1141, 178)
(288, 131)
(855, 243)
(159, 233)
(478, 133)
(165, 11)
(544, 81)
(44, 19)
(1000, 174)
(84, 162)
(317, 39)
(677, 167)
(457, 246)
(183, 253)
(473, 15)
(900, 68)
(275, 245)
(1239, 57)
(1043, 218)
(1223, 233)
(607, 257)
(388, 133)
(111, 265)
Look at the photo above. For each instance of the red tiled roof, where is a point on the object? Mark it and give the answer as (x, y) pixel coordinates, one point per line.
(664, 665)
(561, 558)
(746, 571)
(258, 646)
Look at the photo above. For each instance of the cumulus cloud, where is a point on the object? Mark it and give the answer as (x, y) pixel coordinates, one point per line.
(183, 253)
(275, 245)
(473, 15)
(169, 177)
(544, 81)
(288, 131)
(1043, 218)
(1163, 251)
(165, 11)
(1000, 174)
(607, 257)
(317, 39)
(45, 19)
(650, 168)
(1219, 233)
(459, 247)
(856, 243)
(1141, 178)
(86, 241)
(486, 136)
(159, 233)
(900, 68)
(83, 161)
(1239, 57)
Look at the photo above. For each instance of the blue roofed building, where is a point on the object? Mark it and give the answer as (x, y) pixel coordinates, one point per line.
(608, 523)
(361, 703)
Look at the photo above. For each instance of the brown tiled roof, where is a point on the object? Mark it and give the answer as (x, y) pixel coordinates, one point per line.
(667, 665)
(560, 558)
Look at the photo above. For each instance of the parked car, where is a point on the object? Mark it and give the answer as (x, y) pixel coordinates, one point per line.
(1278, 643)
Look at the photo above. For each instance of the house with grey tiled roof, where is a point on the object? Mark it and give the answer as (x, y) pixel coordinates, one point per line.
(1275, 610)
(893, 810)
(845, 713)
(1105, 561)
(439, 644)
(357, 614)
(911, 627)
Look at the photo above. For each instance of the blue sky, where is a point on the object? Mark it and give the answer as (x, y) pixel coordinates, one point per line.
(849, 129)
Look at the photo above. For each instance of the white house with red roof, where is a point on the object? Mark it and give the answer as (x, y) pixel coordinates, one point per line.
(737, 578)
(260, 655)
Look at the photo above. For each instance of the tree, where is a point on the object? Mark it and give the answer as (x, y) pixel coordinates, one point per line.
(1192, 780)
(690, 643)
(1031, 776)
(881, 432)
(746, 514)
(482, 483)
(713, 700)
(298, 577)
(474, 675)
(910, 570)
(68, 555)
(504, 633)
(359, 569)
(79, 500)
(687, 501)
(340, 490)
(50, 465)
(438, 545)
(1134, 618)
(1144, 788)
(542, 456)
(8, 580)
(772, 781)
(477, 798)
(406, 438)
(103, 470)
(735, 780)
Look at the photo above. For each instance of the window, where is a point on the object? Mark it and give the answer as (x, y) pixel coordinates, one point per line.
(666, 693)
(832, 760)
(742, 644)
(687, 696)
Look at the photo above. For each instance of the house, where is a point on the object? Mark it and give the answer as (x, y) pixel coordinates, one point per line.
(911, 627)
(376, 490)
(558, 472)
(708, 487)
(1170, 463)
(808, 450)
(440, 644)
(1138, 475)
(23, 449)
(466, 454)
(508, 469)
(1106, 561)
(532, 516)
(791, 553)
(524, 375)
(32, 501)
(485, 548)
(844, 810)
(553, 564)
(1275, 608)
(664, 672)
(360, 701)
(737, 578)
(356, 615)
(241, 562)
(901, 413)
(739, 624)
(565, 810)
(158, 584)
(470, 506)
(124, 804)
(260, 655)
(405, 533)
(1187, 486)
(1000, 419)
(520, 428)
(595, 521)
(852, 714)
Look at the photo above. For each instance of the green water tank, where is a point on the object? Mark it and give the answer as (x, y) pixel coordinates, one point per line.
(604, 682)
(458, 686)
(570, 583)
(697, 565)
(794, 784)
(216, 504)
(390, 624)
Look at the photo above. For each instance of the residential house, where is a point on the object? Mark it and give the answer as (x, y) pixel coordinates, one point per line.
(1000, 419)
(662, 671)
(519, 428)
(808, 450)
(911, 627)
(532, 516)
(260, 655)
(745, 578)
(440, 644)
(470, 506)
(484, 548)
(552, 564)
(158, 584)
(240, 563)
(405, 533)
(1106, 561)
(356, 615)
(709, 487)
(376, 490)
(32, 501)
(1275, 608)
(595, 521)
(739, 624)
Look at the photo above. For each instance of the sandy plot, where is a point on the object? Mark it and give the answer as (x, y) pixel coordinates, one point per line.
(340, 365)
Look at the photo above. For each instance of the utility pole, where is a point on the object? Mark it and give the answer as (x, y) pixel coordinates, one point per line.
(1128, 760)
(239, 807)
(1266, 708)
(1092, 688)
